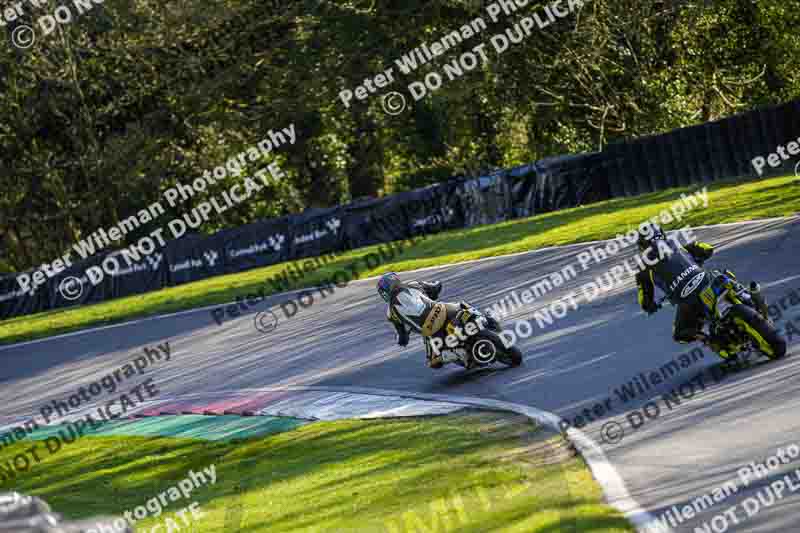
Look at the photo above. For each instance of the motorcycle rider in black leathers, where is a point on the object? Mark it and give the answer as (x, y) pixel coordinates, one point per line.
(674, 270)
(413, 307)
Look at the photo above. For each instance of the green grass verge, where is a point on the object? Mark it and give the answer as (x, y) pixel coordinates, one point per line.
(729, 202)
(464, 472)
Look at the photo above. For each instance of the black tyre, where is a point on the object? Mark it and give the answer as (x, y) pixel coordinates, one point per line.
(765, 337)
(511, 356)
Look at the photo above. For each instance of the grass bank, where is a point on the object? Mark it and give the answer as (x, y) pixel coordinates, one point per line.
(464, 472)
(728, 202)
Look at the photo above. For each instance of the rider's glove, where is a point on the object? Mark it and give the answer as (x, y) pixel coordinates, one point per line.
(402, 339)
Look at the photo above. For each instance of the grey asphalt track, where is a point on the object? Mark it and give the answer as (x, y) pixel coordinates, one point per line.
(579, 361)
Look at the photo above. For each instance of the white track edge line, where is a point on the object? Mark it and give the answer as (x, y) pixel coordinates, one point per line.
(617, 495)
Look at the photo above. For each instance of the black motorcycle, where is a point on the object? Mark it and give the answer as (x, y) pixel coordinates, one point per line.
(471, 339)
(737, 317)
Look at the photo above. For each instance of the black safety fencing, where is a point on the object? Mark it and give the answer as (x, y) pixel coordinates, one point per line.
(704, 153)
(698, 154)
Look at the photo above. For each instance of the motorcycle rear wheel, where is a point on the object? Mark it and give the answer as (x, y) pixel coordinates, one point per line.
(511, 356)
(764, 335)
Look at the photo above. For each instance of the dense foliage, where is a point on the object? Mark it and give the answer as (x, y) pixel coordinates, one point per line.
(102, 115)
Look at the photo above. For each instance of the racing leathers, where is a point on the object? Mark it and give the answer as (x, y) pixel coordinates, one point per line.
(413, 307)
(673, 272)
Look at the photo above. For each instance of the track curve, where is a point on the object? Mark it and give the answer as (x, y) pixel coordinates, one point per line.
(578, 362)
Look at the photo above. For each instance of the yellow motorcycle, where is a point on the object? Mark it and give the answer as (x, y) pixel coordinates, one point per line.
(737, 317)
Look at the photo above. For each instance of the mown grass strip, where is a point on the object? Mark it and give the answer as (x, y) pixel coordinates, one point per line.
(463, 472)
(729, 202)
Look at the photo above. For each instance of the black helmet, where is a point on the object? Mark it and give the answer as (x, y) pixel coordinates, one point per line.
(386, 285)
(649, 232)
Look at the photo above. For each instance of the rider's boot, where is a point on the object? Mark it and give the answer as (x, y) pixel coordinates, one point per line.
(435, 361)
(714, 344)
(438, 361)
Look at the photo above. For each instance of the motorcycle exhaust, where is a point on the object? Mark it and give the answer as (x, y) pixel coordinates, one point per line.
(758, 300)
